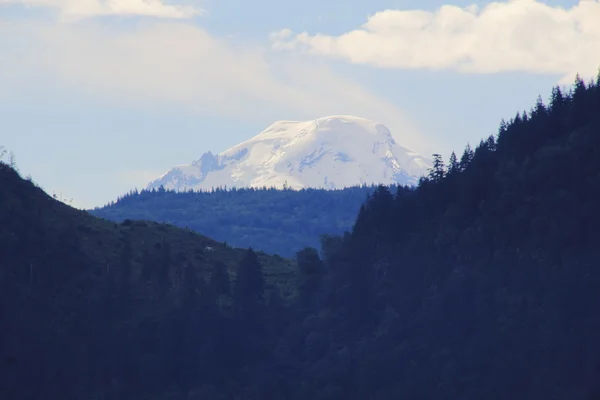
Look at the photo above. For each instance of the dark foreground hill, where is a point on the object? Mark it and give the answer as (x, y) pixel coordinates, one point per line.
(481, 283)
(275, 221)
(86, 304)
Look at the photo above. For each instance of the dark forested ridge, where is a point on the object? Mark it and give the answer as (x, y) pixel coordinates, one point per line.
(92, 309)
(275, 221)
(481, 283)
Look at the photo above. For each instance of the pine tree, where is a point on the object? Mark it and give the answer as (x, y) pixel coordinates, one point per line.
(249, 290)
(438, 171)
(248, 338)
(490, 143)
(466, 157)
(557, 100)
(330, 246)
(361, 224)
(580, 103)
(382, 208)
(359, 298)
(454, 166)
(540, 109)
(195, 327)
(597, 92)
(310, 274)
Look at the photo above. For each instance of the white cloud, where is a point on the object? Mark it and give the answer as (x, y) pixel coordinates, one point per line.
(160, 64)
(518, 35)
(77, 9)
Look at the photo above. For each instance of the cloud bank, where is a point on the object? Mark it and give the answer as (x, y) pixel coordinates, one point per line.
(518, 35)
(77, 9)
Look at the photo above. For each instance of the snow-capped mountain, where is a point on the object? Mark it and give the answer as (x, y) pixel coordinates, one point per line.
(332, 152)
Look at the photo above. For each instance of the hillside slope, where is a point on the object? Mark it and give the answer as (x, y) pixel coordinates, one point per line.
(76, 290)
(483, 282)
(30, 216)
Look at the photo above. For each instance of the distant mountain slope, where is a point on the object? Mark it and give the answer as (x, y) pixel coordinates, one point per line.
(275, 221)
(332, 153)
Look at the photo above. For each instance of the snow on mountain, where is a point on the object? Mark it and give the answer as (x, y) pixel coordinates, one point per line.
(332, 152)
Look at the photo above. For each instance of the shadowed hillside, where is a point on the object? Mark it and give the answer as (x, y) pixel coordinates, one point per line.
(82, 297)
(483, 282)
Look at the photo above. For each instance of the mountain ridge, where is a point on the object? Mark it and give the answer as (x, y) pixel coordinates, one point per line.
(274, 221)
(330, 152)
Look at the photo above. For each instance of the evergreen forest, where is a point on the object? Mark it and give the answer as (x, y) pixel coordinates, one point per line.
(480, 283)
(275, 221)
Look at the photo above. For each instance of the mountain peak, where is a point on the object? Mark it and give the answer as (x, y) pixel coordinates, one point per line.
(330, 152)
(345, 125)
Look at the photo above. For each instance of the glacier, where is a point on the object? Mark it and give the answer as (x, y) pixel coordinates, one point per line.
(330, 152)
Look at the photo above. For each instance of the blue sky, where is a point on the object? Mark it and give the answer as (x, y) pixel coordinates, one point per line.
(99, 97)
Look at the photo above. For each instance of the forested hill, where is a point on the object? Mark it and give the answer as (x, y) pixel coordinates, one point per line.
(90, 308)
(481, 283)
(275, 221)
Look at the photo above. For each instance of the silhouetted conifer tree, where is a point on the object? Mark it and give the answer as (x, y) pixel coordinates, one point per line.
(453, 165)
(466, 157)
(310, 268)
(249, 289)
(438, 170)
